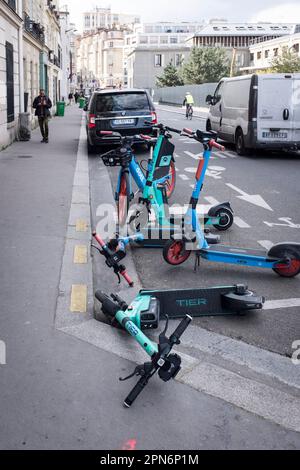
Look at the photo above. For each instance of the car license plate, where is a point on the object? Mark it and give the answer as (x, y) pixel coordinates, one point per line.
(122, 122)
(275, 135)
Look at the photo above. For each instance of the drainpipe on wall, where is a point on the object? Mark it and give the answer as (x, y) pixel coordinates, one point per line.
(21, 71)
(24, 128)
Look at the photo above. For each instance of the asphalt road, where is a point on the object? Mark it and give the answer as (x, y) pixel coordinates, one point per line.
(275, 178)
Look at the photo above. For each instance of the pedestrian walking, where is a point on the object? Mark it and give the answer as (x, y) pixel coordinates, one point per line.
(42, 105)
(76, 96)
(70, 98)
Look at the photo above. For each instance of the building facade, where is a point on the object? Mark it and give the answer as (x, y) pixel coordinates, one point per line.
(101, 18)
(152, 46)
(262, 53)
(99, 58)
(10, 28)
(34, 53)
(235, 38)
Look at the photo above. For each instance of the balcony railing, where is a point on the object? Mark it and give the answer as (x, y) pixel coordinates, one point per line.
(35, 29)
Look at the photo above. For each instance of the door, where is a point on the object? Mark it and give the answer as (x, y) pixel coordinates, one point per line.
(216, 108)
(296, 107)
(275, 113)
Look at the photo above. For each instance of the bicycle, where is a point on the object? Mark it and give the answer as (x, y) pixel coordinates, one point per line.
(189, 111)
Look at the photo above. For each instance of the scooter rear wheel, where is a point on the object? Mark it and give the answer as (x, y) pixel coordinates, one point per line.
(174, 252)
(170, 183)
(291, 270)
(226, 219)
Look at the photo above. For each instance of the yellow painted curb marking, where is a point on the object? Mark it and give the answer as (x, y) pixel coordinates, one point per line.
(78, 298)
(80, 254)
(81, 225)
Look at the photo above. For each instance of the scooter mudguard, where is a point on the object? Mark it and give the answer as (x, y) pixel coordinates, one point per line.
(242, 302)
(280, 249)
(213, 210)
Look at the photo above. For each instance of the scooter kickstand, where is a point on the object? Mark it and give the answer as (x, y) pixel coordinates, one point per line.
(197, 261)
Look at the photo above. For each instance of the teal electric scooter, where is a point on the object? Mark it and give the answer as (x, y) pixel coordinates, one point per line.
(146, 310)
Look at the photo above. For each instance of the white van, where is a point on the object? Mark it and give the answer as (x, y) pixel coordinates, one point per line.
(257, 111)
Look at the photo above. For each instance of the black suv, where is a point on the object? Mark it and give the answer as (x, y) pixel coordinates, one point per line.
(128, 112)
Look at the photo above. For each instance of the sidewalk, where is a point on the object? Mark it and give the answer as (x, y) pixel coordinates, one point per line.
(57, 391)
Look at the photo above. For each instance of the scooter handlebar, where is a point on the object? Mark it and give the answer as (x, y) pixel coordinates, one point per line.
(213, 143)
(188, 131)
(127, 278)
(137, 389)
(174, 338)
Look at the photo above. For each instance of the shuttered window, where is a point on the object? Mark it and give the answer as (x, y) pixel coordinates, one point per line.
(10, 82)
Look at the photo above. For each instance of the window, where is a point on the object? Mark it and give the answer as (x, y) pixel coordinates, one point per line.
(111, 44)
(158, 60)
(258, 55)
(266, 54)
(143, 39)
(296, 47)
(275, 51)
(178, 60)
(153, 39)
(121, 102)
(163, 39)
(10, 81)
(173, 40)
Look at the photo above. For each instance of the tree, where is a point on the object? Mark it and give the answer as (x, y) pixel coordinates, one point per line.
(206, 64)
(170, 77)
(287, 62)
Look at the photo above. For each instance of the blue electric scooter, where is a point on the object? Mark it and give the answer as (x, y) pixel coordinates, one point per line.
(283, 258)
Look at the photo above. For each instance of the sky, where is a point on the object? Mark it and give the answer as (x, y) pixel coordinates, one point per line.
(191, 10)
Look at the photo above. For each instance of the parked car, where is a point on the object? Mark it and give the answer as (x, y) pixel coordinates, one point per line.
(257, 111)
(128, 112)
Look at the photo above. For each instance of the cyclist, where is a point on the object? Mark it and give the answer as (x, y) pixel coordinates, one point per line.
(188, 102)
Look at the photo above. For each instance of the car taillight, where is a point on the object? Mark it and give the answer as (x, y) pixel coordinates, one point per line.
(92, 122)
(153, 117)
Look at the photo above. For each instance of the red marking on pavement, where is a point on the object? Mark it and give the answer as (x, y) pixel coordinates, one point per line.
(129, 445)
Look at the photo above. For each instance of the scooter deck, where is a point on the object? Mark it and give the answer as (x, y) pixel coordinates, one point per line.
(176, 303)
(236, 250)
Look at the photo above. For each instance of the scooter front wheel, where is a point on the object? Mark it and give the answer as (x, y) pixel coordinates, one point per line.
(174, 252)
(226, 219)
(290, 270)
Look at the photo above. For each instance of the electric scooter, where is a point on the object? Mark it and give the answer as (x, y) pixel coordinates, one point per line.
(153, 187)
(283, 258)
(146, 310)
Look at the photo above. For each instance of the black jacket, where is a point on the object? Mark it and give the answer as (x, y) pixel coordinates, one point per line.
(44, 109)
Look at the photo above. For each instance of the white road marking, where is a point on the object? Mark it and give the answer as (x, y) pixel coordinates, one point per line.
(230, 154)
(251, 198)
(267, 244)
(184, 177)
(220, 154)
(240, 222)
(287, 220)
(195, 156)
(211, 200)
(281, 303)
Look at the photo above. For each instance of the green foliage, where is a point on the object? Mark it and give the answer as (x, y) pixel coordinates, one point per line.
(206, 64)
(287, 62)
(170, 77)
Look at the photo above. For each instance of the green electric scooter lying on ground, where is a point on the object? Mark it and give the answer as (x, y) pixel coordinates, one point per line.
(149, 307)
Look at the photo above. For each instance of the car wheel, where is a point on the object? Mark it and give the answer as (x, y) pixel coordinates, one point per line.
(90, 148)
(240, 143)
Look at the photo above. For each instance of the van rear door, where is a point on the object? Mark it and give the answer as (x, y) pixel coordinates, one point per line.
(296, 107)
(275, 112)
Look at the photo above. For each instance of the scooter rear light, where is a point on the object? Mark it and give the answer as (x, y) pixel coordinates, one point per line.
(153, 117)
(92, 121)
